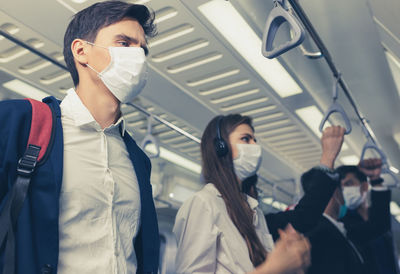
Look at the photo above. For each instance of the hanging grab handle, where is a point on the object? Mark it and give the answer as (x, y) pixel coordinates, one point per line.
(371, 145)
(385, 166)
(149, 138)
(304, 51)
(336, 107)
(275, 19)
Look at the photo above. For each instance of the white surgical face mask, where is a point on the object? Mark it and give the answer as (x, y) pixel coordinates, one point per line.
(248, 161)
(353, 196)
(126, 75)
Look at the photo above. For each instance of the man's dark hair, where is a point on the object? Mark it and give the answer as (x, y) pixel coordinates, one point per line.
(344, 170)
(88, 22)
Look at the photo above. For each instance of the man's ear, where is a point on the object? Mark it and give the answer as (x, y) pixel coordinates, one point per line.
(339, 195)
(80, 50)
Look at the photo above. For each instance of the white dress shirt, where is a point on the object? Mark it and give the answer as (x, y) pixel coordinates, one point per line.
(339, 225)
(208, 241)
(100, 199)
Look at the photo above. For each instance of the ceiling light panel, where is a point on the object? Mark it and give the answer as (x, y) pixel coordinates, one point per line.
(280, 137)
(193, 63)
(170, 35)
(269, 125)
(235, 96)
(180, 50)
(212, 77)
(302, 147)
(223, 87)
(165, 14)
(297, 141)
(293, 144)
(25, 89)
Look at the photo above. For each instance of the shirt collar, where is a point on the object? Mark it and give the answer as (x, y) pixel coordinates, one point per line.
(73, 108)
(253, 203)
(339, 225)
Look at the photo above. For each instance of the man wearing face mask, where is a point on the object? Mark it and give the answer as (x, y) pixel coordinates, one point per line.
(90, 206)
(369, 226)
(332, 251)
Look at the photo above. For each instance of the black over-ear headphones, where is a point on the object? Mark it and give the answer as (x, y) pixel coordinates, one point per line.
(221, 147)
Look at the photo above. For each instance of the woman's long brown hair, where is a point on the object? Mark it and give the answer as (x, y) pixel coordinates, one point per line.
(220, 172)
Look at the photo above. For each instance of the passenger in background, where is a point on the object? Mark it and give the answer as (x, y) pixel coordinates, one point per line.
(369, 227)
(323, 181)
(222, 230)
(332, 252)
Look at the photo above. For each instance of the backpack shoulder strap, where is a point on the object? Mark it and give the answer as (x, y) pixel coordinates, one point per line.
(41, 127)
(39, 140)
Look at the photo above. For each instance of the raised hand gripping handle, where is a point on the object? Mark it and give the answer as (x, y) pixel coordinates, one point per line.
(385, 166)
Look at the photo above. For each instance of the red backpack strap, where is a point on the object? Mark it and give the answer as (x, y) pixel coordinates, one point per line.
(41, 127)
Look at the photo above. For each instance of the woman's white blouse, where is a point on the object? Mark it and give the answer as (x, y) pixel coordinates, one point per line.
(208, 241)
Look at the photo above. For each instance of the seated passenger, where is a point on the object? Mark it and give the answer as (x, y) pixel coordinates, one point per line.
(222, 230)
(369, 227)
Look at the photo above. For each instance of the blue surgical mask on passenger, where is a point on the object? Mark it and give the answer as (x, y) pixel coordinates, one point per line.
(248, 161)
(126, 75)
(342, 211)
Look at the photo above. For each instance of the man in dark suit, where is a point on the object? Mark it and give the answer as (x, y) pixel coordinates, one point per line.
(332, 252)
(369, 227)
(89, 208)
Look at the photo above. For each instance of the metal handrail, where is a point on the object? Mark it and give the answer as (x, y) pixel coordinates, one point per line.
(326, 55)
(165, 122)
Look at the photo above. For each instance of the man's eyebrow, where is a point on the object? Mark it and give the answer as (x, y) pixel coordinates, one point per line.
(132, 40)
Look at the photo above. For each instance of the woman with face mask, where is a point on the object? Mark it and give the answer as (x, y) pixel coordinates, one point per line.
(221, 229)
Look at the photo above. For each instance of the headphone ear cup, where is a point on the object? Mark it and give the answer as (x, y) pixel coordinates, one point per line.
(221, 147)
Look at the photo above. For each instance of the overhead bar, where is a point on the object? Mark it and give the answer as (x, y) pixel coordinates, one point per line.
(326, 55)
(165, 122)
(32, 49)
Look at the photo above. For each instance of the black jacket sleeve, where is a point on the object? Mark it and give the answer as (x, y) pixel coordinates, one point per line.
(361, 232)
(309, 210)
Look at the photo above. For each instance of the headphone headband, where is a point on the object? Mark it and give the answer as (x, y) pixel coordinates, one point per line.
(221, 146)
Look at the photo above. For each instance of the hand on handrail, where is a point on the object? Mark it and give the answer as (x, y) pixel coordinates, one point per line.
(275, 19)
(385, 166)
